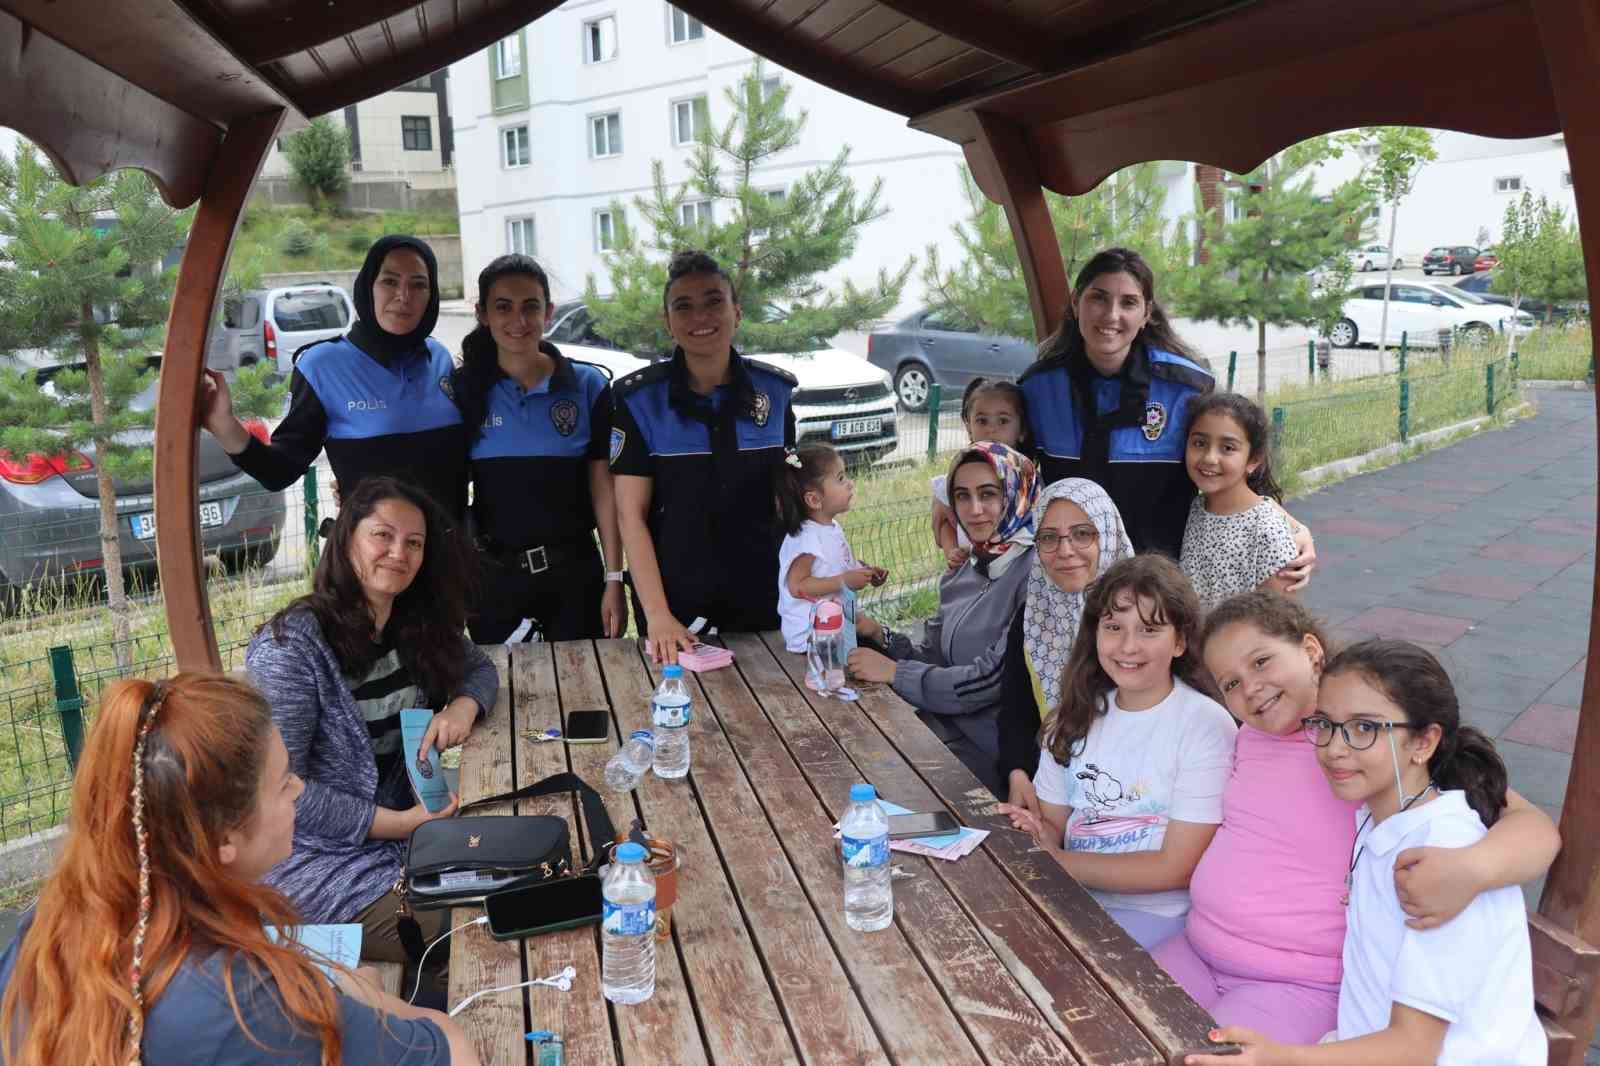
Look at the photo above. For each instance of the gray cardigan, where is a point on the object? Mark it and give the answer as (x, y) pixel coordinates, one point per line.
(335, 872)
(953, 676)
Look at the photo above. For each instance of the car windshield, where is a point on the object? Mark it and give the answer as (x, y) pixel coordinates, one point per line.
(1441, 250)
(300, 312)
(1468, 297)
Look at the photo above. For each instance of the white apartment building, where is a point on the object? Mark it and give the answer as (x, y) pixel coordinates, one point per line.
(566, 116)
(399, 133)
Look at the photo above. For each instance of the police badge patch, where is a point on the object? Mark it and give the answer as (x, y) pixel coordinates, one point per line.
(1155, 420)
(446, 387)
(760, 408)
(618, 438)
(564, 414)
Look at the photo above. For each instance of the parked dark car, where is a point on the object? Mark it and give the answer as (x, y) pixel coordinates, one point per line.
(929, 346)
(1479, 285)
(1450, 259)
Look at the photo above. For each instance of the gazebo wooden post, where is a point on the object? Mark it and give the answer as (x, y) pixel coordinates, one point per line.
(1570, 33)
(194, 643)
(1005, 169)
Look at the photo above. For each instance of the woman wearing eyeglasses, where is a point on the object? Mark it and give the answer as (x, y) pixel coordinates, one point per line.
(1078, 534)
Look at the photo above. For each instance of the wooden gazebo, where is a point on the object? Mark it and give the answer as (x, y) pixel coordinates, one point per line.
(1039, 93)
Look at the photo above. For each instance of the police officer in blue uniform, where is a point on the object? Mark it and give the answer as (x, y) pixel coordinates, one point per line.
(695, 442)
(1109, 399)
(541, 485)
(375, 398)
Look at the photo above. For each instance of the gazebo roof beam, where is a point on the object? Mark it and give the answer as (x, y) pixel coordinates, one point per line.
(976, 23)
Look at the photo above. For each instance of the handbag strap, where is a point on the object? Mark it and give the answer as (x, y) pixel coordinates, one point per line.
(602, 834)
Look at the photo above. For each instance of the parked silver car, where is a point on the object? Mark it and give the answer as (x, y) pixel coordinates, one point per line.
(273, 324)
(50, 513)
(928, 347)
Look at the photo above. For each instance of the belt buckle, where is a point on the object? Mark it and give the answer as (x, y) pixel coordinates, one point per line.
(528, 563)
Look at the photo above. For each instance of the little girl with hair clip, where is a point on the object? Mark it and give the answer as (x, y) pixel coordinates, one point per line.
(1135, 757)
(1238, 537)
(815, 560)
(991, 410)
(1388, 736)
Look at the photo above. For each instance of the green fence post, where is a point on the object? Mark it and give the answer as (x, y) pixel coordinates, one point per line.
(1402, 353)
(1233, 363)
(1405, 410)
(1276, 444)
(1488, 387)
(1311, 361)
(309, 485)
(935, 400)
(69, 702)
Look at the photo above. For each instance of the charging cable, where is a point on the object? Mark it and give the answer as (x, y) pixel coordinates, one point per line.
(562, 980)
(482, 919)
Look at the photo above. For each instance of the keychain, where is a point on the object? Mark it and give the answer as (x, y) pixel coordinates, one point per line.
(541, 736)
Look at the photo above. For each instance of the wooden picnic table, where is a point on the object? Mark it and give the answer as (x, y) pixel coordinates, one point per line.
(996, 958)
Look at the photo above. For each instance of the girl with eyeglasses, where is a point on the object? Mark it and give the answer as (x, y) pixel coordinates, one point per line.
(1264, 948)
(1078, 535)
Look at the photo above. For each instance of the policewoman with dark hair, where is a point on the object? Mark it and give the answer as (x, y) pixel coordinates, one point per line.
(1109, 399)
(539, 426)
(375, 398)
(694, 445)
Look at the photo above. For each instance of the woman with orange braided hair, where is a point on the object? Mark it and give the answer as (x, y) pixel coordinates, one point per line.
(150, 939)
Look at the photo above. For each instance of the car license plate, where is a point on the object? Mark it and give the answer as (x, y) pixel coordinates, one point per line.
(144, 525)
(857, 427)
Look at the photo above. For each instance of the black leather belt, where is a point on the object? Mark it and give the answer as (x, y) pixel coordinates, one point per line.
(540, 557)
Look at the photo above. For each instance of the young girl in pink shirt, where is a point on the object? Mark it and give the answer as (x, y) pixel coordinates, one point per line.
(1263, 941)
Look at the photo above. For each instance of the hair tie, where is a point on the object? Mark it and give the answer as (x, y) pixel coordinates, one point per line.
(141, 839)
(325, 528)
(792, 457)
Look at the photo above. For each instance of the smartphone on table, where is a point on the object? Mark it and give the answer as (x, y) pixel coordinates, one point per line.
(922, 824)
(556, 903)
(588, 727)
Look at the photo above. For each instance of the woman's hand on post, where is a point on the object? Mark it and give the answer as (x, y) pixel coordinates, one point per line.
(452, 725)
(216, 414)
(868, 665)
(668, 637)
(613, 609)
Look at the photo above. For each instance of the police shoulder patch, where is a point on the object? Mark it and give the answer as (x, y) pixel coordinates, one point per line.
(1155, 420)
(618, 439)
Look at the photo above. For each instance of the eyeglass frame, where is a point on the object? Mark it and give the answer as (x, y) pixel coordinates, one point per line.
(1092, 537)
(1343, 728)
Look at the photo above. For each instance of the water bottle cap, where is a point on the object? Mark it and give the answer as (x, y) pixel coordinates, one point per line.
(629, 852)
(830, 617)
(642, 734)
(862, 793)
(672, 671)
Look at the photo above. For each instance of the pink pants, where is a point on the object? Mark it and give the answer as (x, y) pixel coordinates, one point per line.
(1286, 1012)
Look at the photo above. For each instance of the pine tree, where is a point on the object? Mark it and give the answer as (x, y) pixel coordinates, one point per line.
(319, 155)
(775, 247)
(1261, 265)
(1541, 255)
(986, 288)
(81, 279)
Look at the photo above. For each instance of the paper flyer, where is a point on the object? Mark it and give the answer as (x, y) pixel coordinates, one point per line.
(427, 776)
(327, 943)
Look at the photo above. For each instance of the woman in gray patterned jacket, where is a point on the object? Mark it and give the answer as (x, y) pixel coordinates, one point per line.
(381, 631)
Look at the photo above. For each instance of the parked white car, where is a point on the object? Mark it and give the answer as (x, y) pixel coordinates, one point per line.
(1421, 310)
(1373, 257)
(273, 324)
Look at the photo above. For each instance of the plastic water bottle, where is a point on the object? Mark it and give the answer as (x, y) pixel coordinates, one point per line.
(670, 711)
(868, 894)
(628, 927)
(626, 768)
(825, 658)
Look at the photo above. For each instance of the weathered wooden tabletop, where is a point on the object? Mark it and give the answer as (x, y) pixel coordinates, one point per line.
(997, 958)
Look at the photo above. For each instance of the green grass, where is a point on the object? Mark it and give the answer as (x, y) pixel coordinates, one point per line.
(329, 241)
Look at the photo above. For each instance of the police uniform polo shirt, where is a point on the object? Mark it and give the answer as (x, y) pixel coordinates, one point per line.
(1126, 433)
(712, 461)
(375, 417)
(530, 462)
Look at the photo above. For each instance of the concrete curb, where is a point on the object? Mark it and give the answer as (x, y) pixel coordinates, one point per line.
(30, 859)
(1318, 476)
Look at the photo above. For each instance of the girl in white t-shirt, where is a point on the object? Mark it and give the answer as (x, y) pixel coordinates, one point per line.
(991, 410)
(1135, 757)
(1389, 737)
(815, 560)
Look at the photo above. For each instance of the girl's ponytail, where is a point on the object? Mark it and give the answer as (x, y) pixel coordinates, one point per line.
(1466, 759)
(801, 471)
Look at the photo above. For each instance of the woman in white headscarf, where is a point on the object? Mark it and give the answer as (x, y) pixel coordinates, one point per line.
(1078, 534)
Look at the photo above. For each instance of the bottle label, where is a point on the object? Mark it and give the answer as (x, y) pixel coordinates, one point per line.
(670, 715)
(872, 851)
(628, 919)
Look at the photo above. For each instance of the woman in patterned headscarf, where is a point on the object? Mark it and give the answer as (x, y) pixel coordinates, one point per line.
(953, 676)
(1077, 535)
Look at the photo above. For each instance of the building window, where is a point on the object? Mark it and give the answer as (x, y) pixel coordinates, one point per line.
(685, 27)
(1508, 184)
(695, 212)
(606, 225)
(514, 146)
(508, 57)
(519, 236)
(769, 87)
(605, 135)
(1566, 179)
(416, 133)
(777, 196)
(600, 39)
(689, 118)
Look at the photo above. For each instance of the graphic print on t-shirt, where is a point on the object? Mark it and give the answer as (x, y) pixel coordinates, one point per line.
(1115, 818)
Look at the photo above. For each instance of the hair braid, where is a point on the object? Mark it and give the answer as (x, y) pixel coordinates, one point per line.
(141, 837)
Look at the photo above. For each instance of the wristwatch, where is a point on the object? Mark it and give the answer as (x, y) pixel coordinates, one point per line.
(614, 575)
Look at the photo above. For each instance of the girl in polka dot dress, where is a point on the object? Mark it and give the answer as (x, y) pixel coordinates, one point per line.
(1237, 537)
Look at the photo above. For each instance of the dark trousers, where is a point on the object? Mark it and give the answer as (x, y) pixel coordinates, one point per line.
(755, 616)
(563, 601)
